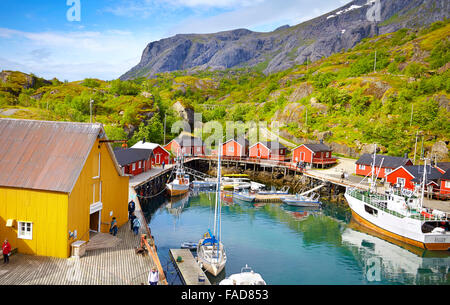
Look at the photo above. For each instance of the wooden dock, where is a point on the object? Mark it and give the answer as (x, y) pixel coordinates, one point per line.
(188, 268)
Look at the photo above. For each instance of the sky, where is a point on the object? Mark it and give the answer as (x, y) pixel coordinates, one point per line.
(77, 39)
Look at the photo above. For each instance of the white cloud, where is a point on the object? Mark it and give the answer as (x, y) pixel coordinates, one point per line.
(72, 55)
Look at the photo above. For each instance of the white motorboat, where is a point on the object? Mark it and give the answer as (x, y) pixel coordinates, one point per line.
(303, 201)
(179, 185)
(246, 277)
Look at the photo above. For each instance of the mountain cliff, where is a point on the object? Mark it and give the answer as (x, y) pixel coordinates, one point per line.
(287, 46)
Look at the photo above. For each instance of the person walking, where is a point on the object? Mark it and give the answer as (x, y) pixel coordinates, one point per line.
(113, 228)
(153, 277)
(131, 208)
(163, 164)
(6, 248)
(136, 225)
(132, 217)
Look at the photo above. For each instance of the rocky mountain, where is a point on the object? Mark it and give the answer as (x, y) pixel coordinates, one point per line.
(287, 46)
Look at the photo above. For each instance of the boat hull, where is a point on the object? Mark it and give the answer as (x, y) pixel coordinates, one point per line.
(212, 265)
(405, 229)
(177, 189)
(302, 204)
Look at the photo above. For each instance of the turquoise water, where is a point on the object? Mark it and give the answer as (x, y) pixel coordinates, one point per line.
(293, 246)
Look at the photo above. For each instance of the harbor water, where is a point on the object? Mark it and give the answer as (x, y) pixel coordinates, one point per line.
(292, 246)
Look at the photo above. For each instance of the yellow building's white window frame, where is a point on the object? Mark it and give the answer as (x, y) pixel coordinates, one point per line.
(25, 230)
(99, 167)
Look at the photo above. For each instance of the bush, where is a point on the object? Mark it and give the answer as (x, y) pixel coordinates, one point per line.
(119, 87)
(440, 55)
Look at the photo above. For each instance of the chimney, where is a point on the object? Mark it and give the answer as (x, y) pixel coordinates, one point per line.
(321, 141)
(406, 156)
(143, 140)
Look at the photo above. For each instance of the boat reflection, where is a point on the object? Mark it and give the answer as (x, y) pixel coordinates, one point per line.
(176, 205)
(300, 213)
(389, 259)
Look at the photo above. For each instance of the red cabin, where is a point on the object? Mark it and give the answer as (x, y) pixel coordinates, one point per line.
(444, 192)
(383, 164)
(410, 177)
(235, 148)
(315, 155)
(186, 145)
(134, 161)
(160, 155)
(268, 150)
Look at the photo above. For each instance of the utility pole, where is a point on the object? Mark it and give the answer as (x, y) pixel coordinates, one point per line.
(415, 148)
(306, 120)
(375, 63)
(412, 112)
(90, 107)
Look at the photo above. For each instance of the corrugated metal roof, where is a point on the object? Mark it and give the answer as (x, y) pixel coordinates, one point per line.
(44, 155)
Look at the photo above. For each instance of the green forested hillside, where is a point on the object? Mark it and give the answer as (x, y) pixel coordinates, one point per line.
(347, 98)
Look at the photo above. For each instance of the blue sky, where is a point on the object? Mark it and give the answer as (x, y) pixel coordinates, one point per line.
(37, 37)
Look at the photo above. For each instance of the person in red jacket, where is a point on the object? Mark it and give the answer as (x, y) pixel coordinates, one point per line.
(6, 251)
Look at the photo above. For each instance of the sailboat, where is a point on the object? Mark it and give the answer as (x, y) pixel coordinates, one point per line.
(211, 254)
(399, 214)
(179, 185)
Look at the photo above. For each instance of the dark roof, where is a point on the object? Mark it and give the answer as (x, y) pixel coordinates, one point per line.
(389, 161)
(273, 145)
(131, 155)
(45, 155)
(188, 141)
(417, 171)
(446, 175)
(445, 166)
(318, 147)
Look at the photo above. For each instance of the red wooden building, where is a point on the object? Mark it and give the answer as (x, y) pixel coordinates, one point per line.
(268, 150)
(134, 161)
(383, 164)
(444, 182)
(186, 145)
(315, 155)
(410, 177)
(235, 148)
(160, 155)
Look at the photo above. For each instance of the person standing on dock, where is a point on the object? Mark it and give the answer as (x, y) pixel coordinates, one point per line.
(153, 277)
(6, 248)
(163, 164)
(113, 229)
(136, 225)
(132, 217)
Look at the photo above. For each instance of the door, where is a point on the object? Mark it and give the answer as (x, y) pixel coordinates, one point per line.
(94, 222)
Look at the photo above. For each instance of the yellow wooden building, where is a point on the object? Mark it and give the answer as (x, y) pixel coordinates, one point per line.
(59, 181)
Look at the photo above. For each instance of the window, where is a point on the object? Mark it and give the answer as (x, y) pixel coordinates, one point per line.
(370, 210)
(401, 181)
(199, 149)
(134, 167)
(96, 166)
(25, 230)
(139, 164)
(447, 184)
(230, 148)
(388, 171)
(362, 167)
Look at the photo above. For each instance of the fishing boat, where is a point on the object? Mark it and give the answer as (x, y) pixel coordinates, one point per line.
(246, 277)
(399, 214)
(180, 184)
(303, 201)
(211, 254)
(244, 195)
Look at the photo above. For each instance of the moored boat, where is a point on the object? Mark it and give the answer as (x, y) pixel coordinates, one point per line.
(303, 201)
(244, 196)
(399, 214)
(180, 184)
(246, 277)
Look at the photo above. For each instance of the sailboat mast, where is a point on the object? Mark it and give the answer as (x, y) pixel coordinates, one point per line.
(373, 167)
(423, 182)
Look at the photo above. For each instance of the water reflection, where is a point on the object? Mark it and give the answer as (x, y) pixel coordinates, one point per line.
(292, 245)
